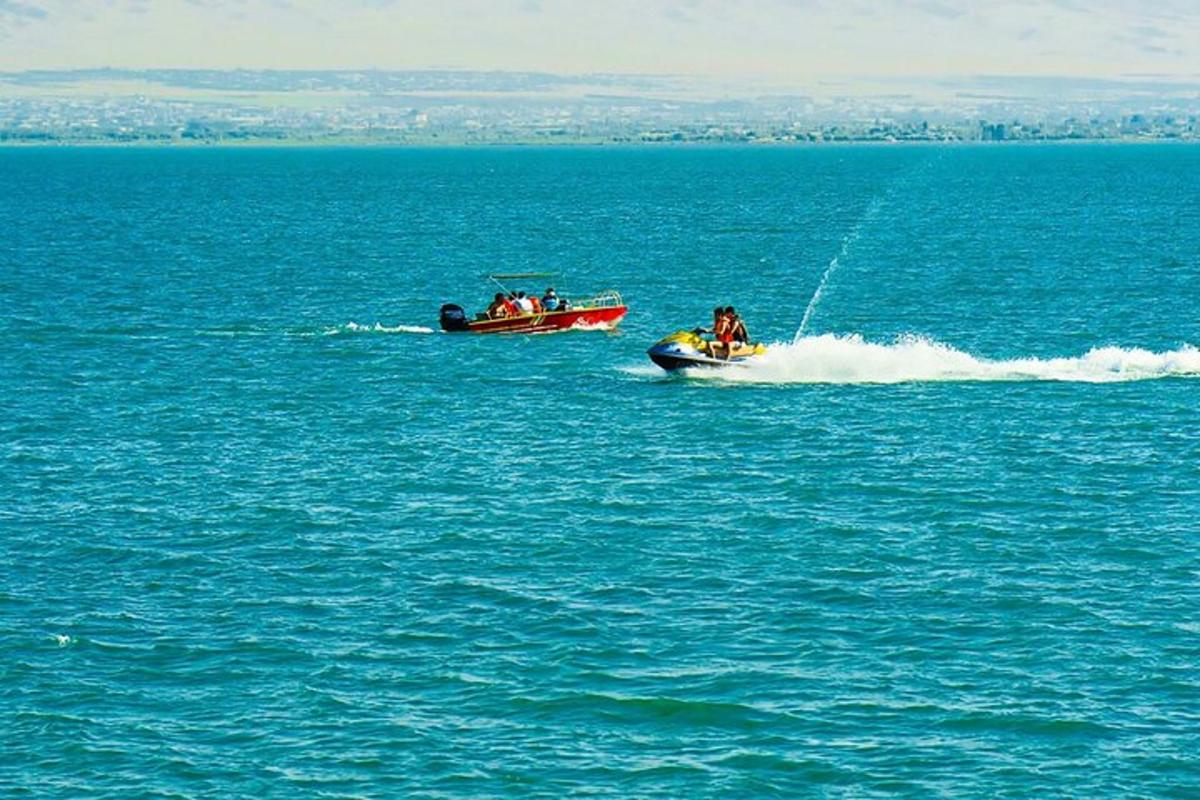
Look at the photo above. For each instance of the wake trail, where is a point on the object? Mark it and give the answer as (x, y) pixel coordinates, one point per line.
(835, 359)
(354, 327)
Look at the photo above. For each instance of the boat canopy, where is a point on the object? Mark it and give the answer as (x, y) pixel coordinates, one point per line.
(513, 276)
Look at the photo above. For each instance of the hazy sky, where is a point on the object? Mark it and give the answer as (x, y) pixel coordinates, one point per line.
(773, 40)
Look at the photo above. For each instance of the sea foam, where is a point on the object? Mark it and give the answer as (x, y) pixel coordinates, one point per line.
(831, 358)
(354, 327)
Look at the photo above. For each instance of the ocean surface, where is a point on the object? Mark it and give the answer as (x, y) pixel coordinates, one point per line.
(264, 532)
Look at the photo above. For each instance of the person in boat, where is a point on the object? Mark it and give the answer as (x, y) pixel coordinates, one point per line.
(536, 303)
(718, 312)
(499, 307)
(550, 300)
(738, 327)
(523, 304)
(723, 330)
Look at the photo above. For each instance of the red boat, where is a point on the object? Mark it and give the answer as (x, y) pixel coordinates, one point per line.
(602, 311)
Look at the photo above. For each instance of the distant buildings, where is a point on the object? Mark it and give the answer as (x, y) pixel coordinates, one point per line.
(462, 107)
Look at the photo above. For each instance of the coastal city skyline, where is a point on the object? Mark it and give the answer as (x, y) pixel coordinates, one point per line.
(472, 107)
(526, 71)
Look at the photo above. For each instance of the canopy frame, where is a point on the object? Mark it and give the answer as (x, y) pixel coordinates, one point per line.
(497, 278)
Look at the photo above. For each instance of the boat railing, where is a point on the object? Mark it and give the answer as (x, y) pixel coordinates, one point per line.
(609, 298)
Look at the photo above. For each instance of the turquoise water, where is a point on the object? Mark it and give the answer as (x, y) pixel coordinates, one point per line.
(263, 532)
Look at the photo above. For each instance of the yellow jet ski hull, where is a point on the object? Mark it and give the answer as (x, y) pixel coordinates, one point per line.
(688, 349)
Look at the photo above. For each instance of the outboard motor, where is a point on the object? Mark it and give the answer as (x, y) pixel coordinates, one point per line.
(453, 318)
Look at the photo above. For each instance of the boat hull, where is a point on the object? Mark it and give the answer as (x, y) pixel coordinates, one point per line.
(686, 350)
(602, 318)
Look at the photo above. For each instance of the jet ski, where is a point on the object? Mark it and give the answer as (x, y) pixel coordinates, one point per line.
(688, 349)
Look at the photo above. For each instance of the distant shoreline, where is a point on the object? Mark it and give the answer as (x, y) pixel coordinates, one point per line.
(435, 144)
(445, 108)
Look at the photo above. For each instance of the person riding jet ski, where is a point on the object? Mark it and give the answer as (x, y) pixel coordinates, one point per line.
(731, 344)
(729, 330)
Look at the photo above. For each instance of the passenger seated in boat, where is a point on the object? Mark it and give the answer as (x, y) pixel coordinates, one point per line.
(738, 327)
(550, 300)
(499, 307)
(718, 312)
(723, 328)
(523, 304)
(705, 345)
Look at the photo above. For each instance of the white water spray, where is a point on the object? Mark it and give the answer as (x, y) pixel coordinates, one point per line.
(852, 360)
(847, 243)
(354, 327)
(866, 219)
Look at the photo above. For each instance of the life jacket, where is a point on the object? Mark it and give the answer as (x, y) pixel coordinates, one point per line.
(510, 308)
(724, 329)
(537, 305)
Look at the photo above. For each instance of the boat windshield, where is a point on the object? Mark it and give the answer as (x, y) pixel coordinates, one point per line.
(605, 299)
